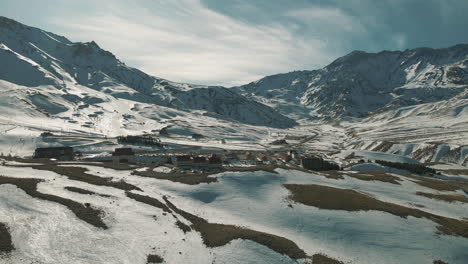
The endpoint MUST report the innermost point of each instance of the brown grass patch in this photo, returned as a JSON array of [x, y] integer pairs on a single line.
[[336, 175], [439, 184], [216, 235], [323, 259], [79, 174], [86, 213], [83, 191], [107, 165], [154, 259], [266, 168], [6, 245], [375, 176], [189, 178], [22, 160], [185, 228], [158, 204], [445, 197], [455, 172], [148, 200], [194, 178], [325, 197]]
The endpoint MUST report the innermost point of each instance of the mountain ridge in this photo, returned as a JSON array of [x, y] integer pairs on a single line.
[[56, 61], [361, 83], [357, 85]]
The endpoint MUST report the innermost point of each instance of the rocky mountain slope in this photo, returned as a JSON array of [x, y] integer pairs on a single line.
[[51, 66], [360, 83]]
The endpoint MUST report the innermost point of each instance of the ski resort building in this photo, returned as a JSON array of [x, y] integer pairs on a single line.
[[199, 162], [58, 153], [318, 164], [214, 162], [183, 162], [123, 155]]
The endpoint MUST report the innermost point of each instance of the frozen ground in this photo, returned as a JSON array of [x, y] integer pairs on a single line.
[[46, 232]]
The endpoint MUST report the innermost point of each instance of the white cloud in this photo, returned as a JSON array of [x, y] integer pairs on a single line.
[[327, 18], [185, 41], [399, 40]]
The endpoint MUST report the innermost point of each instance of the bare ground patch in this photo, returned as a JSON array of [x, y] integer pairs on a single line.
[[445, 197], [439, 262], [6, 245], [158, 204], [80, 174], [154, 259], [325, 197], [185, 228], [439, 184], [266, 168], [86, 213], [216, 235], [335, 175], [149, 201], [107, 165], [194, 178], [381, 176], [83, 191], [323, 259], [189, 178], [455, 172]]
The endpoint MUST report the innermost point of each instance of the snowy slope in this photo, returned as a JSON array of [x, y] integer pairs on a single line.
[[37, 59], [430, 132], [361, 83], [47, 232]]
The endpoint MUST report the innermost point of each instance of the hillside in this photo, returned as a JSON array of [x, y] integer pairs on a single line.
[[360, 83], [51, 66]]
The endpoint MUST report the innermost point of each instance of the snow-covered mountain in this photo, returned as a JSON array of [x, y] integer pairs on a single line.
[[361, 83], [57, 71]]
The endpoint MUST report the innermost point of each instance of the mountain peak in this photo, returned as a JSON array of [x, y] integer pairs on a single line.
[[361, 83], [60, 71], [9, 23]]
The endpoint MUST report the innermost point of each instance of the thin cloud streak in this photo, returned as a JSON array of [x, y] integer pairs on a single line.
[[187, 42]]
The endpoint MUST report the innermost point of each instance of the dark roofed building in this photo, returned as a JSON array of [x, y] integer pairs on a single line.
[[215, 161], [123, 155], [123, 152], [183, 161], [183, 158], [58, 153], [199, 160], [279, 142], [197, 136], [318, 164]]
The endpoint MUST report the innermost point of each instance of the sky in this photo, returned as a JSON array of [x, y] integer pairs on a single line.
[[234, 42]]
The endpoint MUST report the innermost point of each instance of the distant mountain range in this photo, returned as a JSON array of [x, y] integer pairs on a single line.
[[360, 83], [35, 58], [357, 85]]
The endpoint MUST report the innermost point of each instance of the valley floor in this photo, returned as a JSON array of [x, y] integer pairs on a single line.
[[243, 217]]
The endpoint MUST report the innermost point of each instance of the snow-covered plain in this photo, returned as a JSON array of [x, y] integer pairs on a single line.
[[45, 232]]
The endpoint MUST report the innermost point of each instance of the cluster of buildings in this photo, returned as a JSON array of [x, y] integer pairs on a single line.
[[55, 153], [198, 162], [186, 161], [262, 158]]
